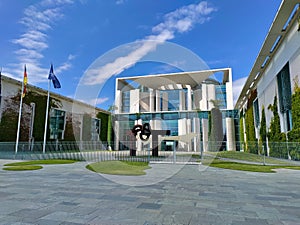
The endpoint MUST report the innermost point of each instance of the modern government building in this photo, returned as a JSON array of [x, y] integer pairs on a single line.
[[69, 120], [195, 106], [179, 102], [267, 103]]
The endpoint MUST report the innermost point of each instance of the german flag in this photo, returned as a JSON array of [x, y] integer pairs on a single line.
[[24, 82]]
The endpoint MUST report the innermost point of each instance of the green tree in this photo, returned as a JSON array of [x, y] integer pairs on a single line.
[[104, 125], [275, 135], [263, 131], [294, 134], [250, 131], [109, 125]]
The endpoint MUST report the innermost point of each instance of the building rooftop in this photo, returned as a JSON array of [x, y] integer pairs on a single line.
[[44, 92], [171, 80], [286, 15]]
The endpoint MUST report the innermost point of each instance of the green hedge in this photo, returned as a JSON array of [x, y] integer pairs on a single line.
[[251, 141], [275, 136]]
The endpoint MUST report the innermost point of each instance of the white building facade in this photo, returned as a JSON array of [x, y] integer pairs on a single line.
[[275, 72], [179, 102]]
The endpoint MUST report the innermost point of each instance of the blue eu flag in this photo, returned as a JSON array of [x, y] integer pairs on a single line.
[[54, 79]]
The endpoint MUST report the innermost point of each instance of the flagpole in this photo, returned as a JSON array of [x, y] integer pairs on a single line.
[[19, 120], [46, 118]]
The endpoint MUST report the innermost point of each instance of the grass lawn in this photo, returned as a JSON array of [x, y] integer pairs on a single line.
[[249, 167], [35, 164], [23, 168], [248, 157], [41, 162], [119, 167]]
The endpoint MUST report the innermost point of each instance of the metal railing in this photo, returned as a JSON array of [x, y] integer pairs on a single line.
[[99, 151]]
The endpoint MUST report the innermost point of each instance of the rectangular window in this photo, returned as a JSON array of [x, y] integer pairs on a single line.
[[125, 101], [284, 89], [256, 113], [285, 95], [57, 123], [95, 129], [221, 96]]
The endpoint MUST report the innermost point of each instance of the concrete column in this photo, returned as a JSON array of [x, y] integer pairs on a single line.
[[230, 134], [117, 135], [165, 100], [157, 96], [211, 95], [203, 101], [181, 100], [182, 130], [229, 95], [151, 101], [205, 134], [189, 98], [197, 98], [189, 130], [118, 101], [134, 101], [196, 123]]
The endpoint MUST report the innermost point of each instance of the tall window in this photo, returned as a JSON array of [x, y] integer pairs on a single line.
[[221, 96], [125, 101], [285, 95], [172, 100], [57, 124], [95, 129], [256, 112]]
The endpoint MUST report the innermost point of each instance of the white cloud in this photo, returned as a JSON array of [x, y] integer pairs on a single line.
[[94, 101], [71, 57], [65, 66], [178, 21], [38, 19], [120, 2], [237, 87], [101, 100], [184, 18]]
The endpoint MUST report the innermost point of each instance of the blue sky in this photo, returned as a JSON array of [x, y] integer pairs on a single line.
[[73, 34]]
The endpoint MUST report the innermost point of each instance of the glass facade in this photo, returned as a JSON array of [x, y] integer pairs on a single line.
[[221, 96], [285, 95], [57, 124], [256, 113], [95, 129], [173, 98], [169, 121], [284, 89], [125, 101]]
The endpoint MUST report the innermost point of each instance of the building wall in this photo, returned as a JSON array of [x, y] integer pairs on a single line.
[[9, 108], [270, 78], [177, 110], [267, 88]]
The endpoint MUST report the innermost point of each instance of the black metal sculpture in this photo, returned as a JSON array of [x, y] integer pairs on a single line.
[[145, 132]]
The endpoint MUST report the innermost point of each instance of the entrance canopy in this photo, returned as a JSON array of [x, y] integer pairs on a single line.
[[184, 138], [172, 80]]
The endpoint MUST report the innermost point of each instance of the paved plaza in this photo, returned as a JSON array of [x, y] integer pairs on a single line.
[[70, 194]]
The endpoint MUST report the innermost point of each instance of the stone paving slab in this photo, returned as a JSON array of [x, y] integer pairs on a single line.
[[72, 195]]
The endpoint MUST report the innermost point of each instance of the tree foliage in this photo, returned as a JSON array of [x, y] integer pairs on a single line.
[[263, 132], [275, 136], [104, 125], [294, 134], [251, 141]]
